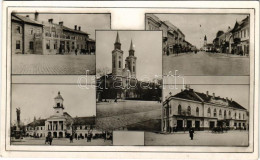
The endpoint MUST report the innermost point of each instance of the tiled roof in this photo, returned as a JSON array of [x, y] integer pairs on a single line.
[[39, 122], [84, 121], [25, 19], [73, 30], [190, 94]]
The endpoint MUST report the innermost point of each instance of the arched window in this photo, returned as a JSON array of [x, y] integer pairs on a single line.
[[179, 109], [235, 115], [189, 110], [119, 64], [133, 68], [215, 112], [220, 112], [229, 113], [243, 116], [239, 116], [197, 111], [209, 112], [225, 114]]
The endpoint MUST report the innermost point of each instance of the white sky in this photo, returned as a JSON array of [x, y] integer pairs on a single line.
[[147, 45], [38, 100], [238, 93], [88, 22], [189, 24]]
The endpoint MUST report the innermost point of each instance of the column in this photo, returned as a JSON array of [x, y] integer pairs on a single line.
[[52, 126], [58, 125]]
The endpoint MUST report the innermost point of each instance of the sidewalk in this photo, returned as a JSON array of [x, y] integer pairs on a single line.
[[228, 55], [177, 55]]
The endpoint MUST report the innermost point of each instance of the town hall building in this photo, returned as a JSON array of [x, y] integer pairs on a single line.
[[201, 111], [60, 124]]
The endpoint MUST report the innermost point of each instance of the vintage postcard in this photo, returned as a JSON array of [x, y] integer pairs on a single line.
[[164, 80]]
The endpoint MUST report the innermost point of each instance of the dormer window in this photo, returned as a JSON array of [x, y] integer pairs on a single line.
[[58, 104]]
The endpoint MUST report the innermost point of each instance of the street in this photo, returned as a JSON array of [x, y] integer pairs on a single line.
[[53, 64], [231, 138], [124, 113], [63, 142], [205, 63]]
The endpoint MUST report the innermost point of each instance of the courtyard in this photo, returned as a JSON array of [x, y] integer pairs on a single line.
[[53, 64], [205, 63], [128, 115], [201, 138], [62, 142]]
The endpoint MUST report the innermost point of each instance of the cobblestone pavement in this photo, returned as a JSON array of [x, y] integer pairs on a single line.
[[53, 64], [63, 142], [204, 63], [231, 138], [117, 115]]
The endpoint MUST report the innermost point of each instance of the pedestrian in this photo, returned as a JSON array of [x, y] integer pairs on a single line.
[[71, 139], [191, 131], [50, 139], [47, 139], [116, 100], [76, 50]]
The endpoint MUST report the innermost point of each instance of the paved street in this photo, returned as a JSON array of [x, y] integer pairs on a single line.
[[204, 63], [231, 138], [53, 64], [63, 142], [116, 115]]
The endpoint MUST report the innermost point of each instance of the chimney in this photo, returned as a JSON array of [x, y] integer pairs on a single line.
[[61, 23], [227, 98], [213, 95], [79, 28], [231, 100], [75, 27], [27, 16], [50, 20], [36, 14], [207, 93]]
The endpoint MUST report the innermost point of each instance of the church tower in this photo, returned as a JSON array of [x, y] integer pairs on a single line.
[[131, 60], [205, 41], [58, 107], [117, 58]]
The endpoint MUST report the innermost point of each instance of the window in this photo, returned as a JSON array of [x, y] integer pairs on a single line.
[[119, 63], [235, 115], [47, 44], [197, 111], [18, 44], [209, 112], [18, 29], [31, 31], [225, 114], [133, 68], [80, 127], [215, 112], [189, 110], [239, 116], [179, 109], [170, 110], [229, 113], [73, 45], [55, 45], [220, 112], [243, 116], [31, 45]]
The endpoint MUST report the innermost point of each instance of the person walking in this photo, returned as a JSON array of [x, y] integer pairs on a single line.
[[50, 139], [76, 51], [71, 139], [47, 139], [191, 131]]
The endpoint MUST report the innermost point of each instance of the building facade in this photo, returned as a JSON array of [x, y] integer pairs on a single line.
[[60, 124], [201, 111], [29, 36]]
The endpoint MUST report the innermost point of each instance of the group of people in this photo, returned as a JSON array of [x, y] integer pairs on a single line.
[[49, 139]]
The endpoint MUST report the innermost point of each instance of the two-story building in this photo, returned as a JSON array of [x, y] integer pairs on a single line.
[[201, 111]]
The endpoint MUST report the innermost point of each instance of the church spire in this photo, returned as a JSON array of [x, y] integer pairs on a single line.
[[117, 44], [205, 38], [117, 38], [131, 46]]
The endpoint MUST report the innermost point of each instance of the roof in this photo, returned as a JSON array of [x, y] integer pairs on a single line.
[[117, 38], [154, 17], [39, 122], [190, 94], [26, 20], [241, 24], [73, 30], [131, 46], [170, 25], [84, 121]]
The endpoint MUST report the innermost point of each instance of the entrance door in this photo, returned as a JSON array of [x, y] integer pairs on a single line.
[[211, 124], [189, 124], [197, 125], [62, 47], [179, 125], [54, 134], [60, 135]]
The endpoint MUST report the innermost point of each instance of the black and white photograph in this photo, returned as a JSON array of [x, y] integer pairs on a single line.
[[204, 44], [203, 115], [129, 68], [55, 44], [59, 115]]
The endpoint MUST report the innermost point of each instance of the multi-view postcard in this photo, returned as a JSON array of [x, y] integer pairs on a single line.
[[114, 81]]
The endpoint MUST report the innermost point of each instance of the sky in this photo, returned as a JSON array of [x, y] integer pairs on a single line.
[[238, 93], [88, 22], [147, 45], [38, 100], [210, 24]]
